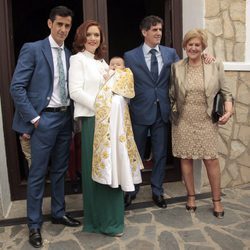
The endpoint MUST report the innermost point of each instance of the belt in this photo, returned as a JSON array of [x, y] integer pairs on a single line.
[[58, 109]]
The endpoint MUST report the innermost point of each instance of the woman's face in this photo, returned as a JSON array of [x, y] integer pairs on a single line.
[[93, 39], [194, 48]]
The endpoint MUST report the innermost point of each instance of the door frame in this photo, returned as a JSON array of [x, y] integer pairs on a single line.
[[92, 9], [97, 10], [6, 71]]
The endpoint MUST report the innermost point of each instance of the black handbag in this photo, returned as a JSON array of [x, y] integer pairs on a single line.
[[218, 107]]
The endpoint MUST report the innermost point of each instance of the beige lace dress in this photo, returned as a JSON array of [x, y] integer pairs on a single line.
[[195, 136]]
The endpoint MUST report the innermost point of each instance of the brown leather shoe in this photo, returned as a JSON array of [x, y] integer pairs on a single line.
[[35, 238]]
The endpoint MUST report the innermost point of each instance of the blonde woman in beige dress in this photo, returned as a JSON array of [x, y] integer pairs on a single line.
[[194, 135]]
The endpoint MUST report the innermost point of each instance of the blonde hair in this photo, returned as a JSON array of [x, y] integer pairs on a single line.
[[195, 33]]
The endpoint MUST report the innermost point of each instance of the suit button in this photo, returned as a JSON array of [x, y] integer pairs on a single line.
[[155, 102], [48, 98]]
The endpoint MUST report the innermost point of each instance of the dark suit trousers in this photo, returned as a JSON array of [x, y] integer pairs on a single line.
[[159, 133], [50, 141]]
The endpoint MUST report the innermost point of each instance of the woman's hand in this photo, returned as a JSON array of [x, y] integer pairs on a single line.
[[228, 112], [106, 77], [224, 119]]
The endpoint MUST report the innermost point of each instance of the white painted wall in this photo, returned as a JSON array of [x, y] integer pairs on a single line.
[[193, 12], [5, 201], [247, 55]]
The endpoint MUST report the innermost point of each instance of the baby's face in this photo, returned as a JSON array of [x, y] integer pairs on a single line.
[[116, 63]]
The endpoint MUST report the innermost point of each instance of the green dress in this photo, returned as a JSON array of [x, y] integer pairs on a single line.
[[103, 206]]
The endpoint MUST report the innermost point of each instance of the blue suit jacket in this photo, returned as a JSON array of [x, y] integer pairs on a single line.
[[143, 107], [32, 83]]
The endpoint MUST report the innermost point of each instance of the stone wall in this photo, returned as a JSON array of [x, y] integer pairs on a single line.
[[234, 147], [225, 22]]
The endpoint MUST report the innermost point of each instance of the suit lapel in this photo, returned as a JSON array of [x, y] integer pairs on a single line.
[[46, 49], [67, 54], [165, 60], [142, 61], [181, 75], [207, 74], [164, 55]]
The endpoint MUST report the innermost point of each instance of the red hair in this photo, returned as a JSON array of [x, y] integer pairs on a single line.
[[81, 38]]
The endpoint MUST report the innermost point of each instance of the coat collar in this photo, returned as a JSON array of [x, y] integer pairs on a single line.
[[46, 49], [141, 59], [207, 72]]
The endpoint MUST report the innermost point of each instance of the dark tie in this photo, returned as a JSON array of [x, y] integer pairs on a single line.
[[62, 81], [154, 64]]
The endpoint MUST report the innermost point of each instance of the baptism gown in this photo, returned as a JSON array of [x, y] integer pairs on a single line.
[[116, 160]]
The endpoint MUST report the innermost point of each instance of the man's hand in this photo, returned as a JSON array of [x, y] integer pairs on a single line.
[[25, 136], [36, 123], [208, 58]]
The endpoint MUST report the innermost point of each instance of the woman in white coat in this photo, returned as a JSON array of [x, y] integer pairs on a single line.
[[103, 205]]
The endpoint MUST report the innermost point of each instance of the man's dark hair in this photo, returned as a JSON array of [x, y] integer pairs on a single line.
[[60, 11], [149, 21]]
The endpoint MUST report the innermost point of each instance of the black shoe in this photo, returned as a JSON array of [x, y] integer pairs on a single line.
[[66, 220], [191, 208], [219, 215], [159, 201], [35, 238], [128, 198]]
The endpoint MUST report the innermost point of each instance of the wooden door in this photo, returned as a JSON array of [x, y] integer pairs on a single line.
[[25, 21], [20, 22], [120, 21]]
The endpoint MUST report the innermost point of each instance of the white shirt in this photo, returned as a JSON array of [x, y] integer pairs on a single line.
[[55, 100], [147, 55], [55, 97]]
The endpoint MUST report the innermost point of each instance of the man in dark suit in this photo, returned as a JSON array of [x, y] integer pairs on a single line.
[[40, 93], [150, 108]]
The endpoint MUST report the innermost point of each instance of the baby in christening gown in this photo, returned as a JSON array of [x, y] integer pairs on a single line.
[[116, 160]]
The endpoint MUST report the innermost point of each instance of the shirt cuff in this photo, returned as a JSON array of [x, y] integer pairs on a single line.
[[35, 119]]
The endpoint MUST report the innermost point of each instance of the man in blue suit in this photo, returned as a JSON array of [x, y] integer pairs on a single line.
[[150, 108], [40, 93]]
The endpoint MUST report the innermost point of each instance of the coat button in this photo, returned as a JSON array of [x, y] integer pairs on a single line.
[[48, 98]]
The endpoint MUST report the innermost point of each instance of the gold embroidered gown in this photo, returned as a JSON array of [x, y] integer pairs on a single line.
[[116, 160], [195, 136]]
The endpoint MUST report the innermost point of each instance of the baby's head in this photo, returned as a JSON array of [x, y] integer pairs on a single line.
[[116, 63]]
